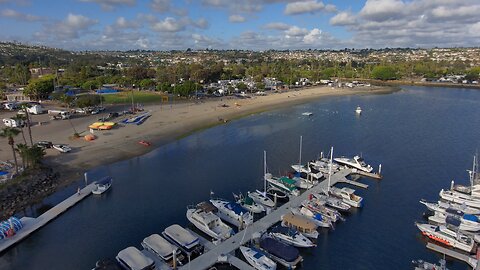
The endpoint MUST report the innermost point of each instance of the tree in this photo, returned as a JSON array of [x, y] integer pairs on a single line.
[[21, 118], [31, 156], [260, 86], [384, 73], [242, 86], [27, 114], [9, 133], [22, 149], [88, 101], [146, 83], [40, 88]]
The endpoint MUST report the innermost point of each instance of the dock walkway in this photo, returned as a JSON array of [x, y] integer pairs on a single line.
[[474, 263], [209, 258], [33, 224]]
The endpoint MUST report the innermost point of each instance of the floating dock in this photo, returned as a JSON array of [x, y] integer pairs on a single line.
[[210, 257], [30, 225], [474, 263]]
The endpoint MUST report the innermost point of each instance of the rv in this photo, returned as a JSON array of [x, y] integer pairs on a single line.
[[14, 123]]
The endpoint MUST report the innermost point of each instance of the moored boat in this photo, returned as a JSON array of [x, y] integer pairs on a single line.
[[348, 196], [284, 254], [248, 203], [261, 198], [290, 236], [447, 237], [258, 259], [208, 222], [283, 183], [233, 213], [333, 202], [459, 198], [102, 185], [317, 218], [441, 206], [183, 239], [355, 162], [301, 224], [132, 258], [161, 248]]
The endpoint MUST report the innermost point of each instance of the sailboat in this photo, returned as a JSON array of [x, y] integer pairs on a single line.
[[258, 196], [311, 176]]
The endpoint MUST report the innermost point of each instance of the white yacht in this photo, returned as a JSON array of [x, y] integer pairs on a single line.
[[460, 198], [233, 213], [261, 198], [291, 237], [317, 218], [442, 206], [208, 222], [258, 259], [248, 203], [447, 237], [355, 162], [469, 223], [317, 207], [285, 184], [184, 239], [358, 110], [307, 113], [132, 258], [160, 247], [348, 196], [102, 185], [311, 174], [333, 202]]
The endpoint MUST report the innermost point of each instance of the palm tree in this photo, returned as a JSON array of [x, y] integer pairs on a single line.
[[21, 119], [9, 133], [22, 149], [35, 155], [24, 107]]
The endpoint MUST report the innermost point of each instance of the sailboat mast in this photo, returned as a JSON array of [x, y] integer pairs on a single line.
[[265, 171], [330, 168], [300, 156]]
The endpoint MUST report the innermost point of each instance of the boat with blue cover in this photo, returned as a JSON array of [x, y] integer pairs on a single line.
[[258, 259], [290, 236], [284, 254], [232, 212], [185, 240]]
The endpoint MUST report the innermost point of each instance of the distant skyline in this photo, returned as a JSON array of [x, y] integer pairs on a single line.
[[240, 24]]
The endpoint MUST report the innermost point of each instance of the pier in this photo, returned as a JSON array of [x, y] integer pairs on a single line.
[[474, 263], [30, 225], [228, 246]]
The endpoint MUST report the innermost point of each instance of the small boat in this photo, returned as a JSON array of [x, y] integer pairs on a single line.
[[333, 202], [161, 248], [284, 184], [348, 196], [248, 203], [233, 213], [273, 191], [102, 185], [463, 222], [355, 162], [284, 254], [358, 110], [311, 174], [132, 258], [423, 265], [206, 221], [318, 207], [290, 236], [258, 259], [447, 237], [460, 198], [442, 206], [185, 240], [145, 143], [307, 113], [261, 198], [317, 218], [301, 224]]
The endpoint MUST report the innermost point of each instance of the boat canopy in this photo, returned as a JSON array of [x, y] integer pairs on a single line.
[[471, 218], [135, 259], [158, 244], [299, 221], [453, 221], [279, 249], [287, 181], [235, 207], [248, 201], [284, 230], [180, 235], [454, 211]]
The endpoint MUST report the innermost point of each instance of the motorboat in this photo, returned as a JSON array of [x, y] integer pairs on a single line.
[[185, 240], [132, 258], [317, 218], [275, 192], [423, 265], [447, 237], [318, 207], [441, 206], [348, 196], [62, 148], [248, 203], [208, 222], [307, 113], [161, 248], [333, 202], [355, 162], [283, 183], [258, 259], [107, 264], [261, 198], [310, 173], [323, 165], [301, 224], [233, 213], [102, 185], [358, 110], [283, 254], [290, 236], [459, 198], [462, 221]]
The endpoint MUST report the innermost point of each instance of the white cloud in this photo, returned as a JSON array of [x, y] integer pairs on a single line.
[[13, 14], [310, 6], [277, 26], [343, 18], [295, 31], [111, 4], [201, 23], [313, 36], [124, 23], [236, 18], [169, 24], [381, 10], [160, 5]]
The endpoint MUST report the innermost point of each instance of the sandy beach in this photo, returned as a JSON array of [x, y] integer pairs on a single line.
[[167, 123]]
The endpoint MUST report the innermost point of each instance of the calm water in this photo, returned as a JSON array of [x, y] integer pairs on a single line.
[[424, 138]]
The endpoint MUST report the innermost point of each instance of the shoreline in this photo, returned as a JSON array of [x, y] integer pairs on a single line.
[[172, 122]]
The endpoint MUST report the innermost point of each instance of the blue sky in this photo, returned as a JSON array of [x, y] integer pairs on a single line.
[[240, 24]]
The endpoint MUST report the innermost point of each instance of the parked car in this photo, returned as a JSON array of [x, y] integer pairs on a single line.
[[44, 144], [62, 148], [13, 123]]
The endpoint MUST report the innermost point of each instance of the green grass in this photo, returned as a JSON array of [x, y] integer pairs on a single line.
[[138, 97]]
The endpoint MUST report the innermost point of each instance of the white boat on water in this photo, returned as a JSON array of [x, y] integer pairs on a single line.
[[301, 224], [261, 198], [132, 258], [233, 213], [248, 203], [447, 237], [102, 185], [258, 259], [307, 113], [333, 202], [358, 110], [202, 217], [318, 207], [460, 198], [463, 222], [348, 196], [185, 240], [355, 162], [317, 218], [442, 206], [310, 174], [291, 237], [161, 248], [285, 184]]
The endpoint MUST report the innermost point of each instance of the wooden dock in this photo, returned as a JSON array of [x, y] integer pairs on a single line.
[[228, 246], [33, 224], [474, 263]]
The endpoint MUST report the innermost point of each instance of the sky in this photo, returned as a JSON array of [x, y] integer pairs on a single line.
[[240, 24]]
